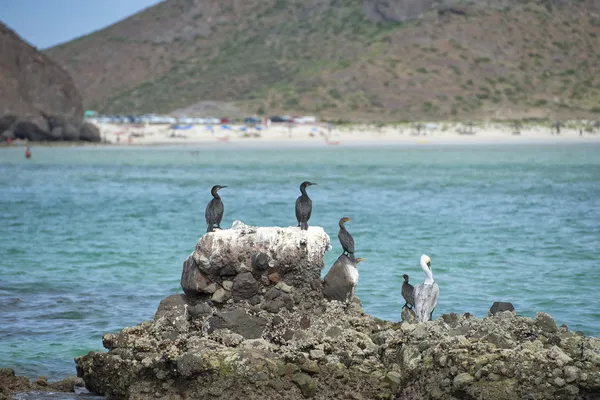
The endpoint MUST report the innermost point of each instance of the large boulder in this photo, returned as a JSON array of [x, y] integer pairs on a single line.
[[70, 132], [89, 133], [246, 261], [31, 131]]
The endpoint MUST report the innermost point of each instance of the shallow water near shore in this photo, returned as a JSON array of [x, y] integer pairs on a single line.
[[94, 238]]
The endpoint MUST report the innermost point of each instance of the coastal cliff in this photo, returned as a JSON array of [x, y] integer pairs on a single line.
[[38, 98], [253, 324]]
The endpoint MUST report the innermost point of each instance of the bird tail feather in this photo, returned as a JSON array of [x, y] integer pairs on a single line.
[[304, 226]]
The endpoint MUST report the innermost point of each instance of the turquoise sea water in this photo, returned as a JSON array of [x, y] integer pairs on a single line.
[[93, 238]]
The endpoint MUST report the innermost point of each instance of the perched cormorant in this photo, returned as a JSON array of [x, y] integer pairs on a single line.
[[214, 209], [342, 278], [426, 294], [408, 293], [346, 238], [304, 206]]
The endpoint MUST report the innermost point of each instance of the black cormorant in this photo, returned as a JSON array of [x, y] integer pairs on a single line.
[[214, 209], [346, 238], [408, 292], [304, 206]]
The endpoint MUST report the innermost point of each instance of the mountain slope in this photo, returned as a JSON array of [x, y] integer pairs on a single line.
[[359, 60], [31, 84]]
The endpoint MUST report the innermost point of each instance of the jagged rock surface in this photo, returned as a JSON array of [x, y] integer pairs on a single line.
[[287, 342]]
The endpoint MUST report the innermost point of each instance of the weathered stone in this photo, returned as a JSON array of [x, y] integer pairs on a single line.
[[274, 277], [221, 296], [244, 286], [274, 306], [193, 282], [227, 285], [499, 341], [317, 354], [500, 306], [210, 289], [272, 294], [89, 133], [545, 322], [305, 383], [176, 303], [571, 373], [394, 380], [555, 353], [260, 261], [462, 380], [249, 326], [201, 310], [284, 287], [232, 339]]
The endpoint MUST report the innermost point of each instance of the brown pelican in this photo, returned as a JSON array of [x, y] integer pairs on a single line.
[[342, 278]]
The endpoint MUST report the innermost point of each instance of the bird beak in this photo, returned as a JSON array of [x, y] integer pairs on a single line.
[[312, 184], [359, 260], [222, 187]]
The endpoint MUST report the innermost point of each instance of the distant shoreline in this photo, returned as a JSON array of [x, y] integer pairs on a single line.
[[317, 136]]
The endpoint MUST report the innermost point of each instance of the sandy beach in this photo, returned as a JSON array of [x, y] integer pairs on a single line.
[[351, 135]]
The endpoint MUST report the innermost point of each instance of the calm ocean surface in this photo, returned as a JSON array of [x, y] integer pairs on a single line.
[[94, 238]]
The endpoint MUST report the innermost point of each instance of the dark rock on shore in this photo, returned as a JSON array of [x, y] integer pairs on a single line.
[[9, 384], [500, 306], [282, 340]]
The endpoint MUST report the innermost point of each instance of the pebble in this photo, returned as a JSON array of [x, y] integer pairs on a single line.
[[560, 382], [285, 288], [571, 373], [227, 285], [462, 380]]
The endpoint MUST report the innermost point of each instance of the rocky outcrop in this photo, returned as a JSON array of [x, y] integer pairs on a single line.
[[9, 384], [237, 334], [244, 263], [37, 96]]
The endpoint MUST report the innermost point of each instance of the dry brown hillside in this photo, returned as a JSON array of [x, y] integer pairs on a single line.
[[360, 60]]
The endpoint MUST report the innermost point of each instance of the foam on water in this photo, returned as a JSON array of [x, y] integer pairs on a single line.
[[94, 238]]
